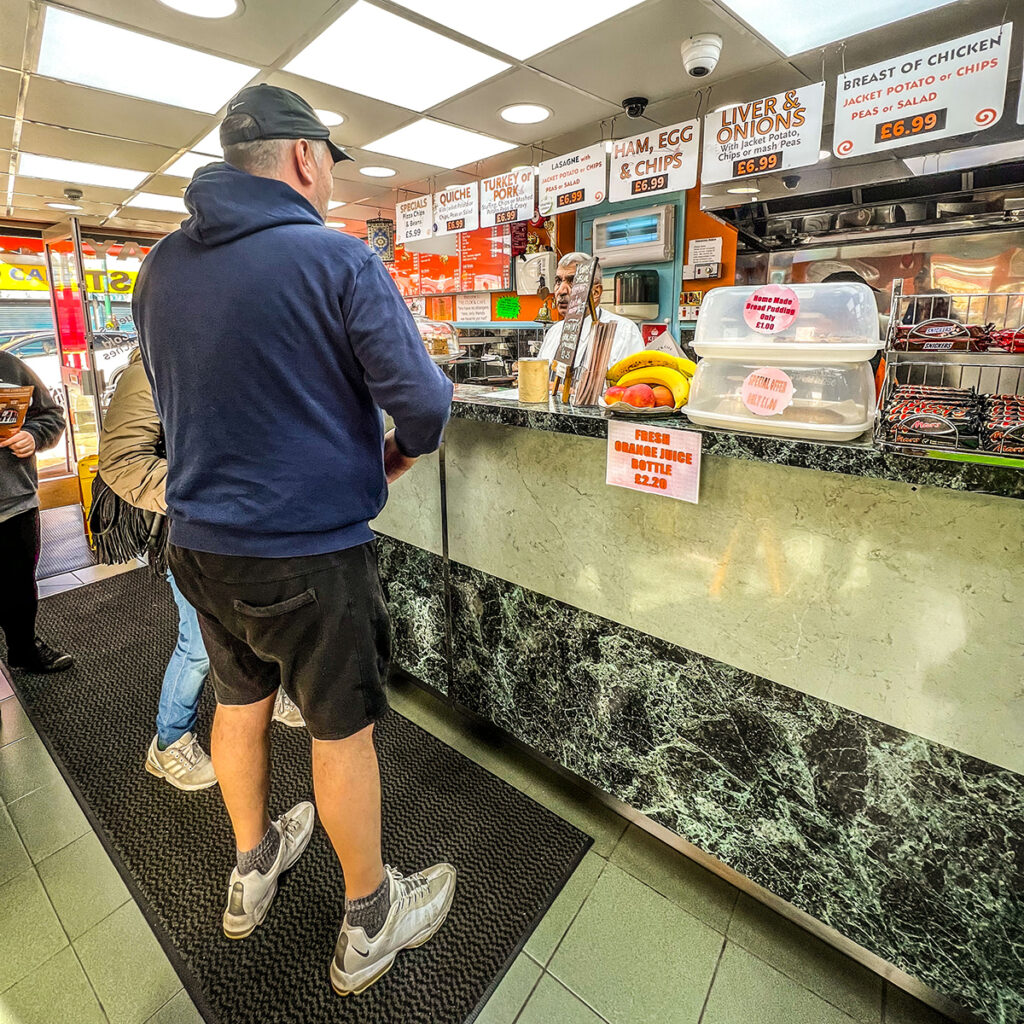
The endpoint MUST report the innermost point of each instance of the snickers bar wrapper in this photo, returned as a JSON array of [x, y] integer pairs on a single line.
[[14, 403]]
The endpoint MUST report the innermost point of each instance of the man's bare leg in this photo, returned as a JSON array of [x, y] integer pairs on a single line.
[[346, 780], [240, 748]]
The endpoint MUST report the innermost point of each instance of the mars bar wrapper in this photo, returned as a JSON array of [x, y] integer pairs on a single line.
[[14, 403]]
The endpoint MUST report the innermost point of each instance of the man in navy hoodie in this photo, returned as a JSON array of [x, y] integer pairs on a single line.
[[273, 344]]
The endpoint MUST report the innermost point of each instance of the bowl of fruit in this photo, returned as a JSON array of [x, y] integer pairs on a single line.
[[648, 384]]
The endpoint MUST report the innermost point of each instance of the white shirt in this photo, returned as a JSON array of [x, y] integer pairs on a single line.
[[628, 338]]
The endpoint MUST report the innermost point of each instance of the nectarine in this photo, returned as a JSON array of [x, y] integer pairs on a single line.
[[639, 395], [614, 394]]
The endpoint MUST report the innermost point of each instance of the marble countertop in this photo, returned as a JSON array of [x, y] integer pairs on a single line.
[[853, 458]]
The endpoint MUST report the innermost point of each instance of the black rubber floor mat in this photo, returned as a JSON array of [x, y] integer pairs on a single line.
[[63, 547], [175, 850]]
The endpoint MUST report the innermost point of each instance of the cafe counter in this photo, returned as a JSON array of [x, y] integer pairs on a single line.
[[812, 675]]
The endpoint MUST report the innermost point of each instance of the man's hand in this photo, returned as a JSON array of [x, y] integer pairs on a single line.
[[395, 463], [23, 444]]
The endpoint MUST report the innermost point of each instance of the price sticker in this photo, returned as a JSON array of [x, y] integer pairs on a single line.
[[571, 198], [507, 217], [771, 309], [762, 164], [456, 225], [657, 183]]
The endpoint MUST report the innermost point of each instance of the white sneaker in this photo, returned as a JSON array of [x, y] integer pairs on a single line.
[[419, 906], [286, 711], [250, 895], [184, 764]]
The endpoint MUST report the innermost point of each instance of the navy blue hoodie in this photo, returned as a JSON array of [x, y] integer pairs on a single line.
[[272, 344]]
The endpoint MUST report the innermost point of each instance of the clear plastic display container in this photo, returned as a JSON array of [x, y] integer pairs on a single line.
[[835, 322], [440, 338], [821, 403]]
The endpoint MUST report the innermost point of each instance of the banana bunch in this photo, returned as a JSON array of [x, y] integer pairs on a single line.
[[654, 369]]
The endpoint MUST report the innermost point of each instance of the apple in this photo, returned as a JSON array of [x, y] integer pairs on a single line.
[[614, 394], [640, 396]]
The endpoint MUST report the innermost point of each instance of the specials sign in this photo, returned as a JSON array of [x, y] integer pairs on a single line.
[[763, 136], [413, 220], [457, 209], [663, 160], [954, 88], [506, 198], [572, 181]]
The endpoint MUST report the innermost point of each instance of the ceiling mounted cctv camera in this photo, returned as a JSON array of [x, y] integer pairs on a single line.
[[634, 106], [701, 54], [73, 194]]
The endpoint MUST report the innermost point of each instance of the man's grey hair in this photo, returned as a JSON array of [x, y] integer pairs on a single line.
[[262, 157], [574, 258]]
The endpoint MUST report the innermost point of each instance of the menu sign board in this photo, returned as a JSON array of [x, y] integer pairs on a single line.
[[659, 161], [405, 271], [457, 209], [573, 181], [506, 198], [954, 88], [576, 312], [485, 260], [413, 220], [775, 133], [438, 274]]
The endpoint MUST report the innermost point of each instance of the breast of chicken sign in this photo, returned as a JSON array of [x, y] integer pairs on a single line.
[[953, 88], [772, 134], [663, 160]]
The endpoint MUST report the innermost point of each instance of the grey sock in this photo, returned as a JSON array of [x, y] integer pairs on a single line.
[[370, 912], [262, 858]]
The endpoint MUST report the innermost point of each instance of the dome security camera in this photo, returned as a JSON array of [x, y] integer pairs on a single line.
[[701, 54], [634, 106], [73, 194], [791, 180]]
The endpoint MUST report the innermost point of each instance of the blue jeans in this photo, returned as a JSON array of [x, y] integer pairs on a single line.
[[185, 675]]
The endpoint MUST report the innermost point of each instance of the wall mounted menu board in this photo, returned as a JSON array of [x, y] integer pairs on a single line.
[[764, 136], [661, 160], [953, 88], [572, 181], [414, 219], [485, 259], [439, 275], [405, 271], [457, 209]]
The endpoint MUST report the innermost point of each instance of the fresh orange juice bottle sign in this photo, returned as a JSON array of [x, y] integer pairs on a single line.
[[658, 460]]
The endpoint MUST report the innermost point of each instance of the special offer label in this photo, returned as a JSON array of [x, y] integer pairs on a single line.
[[767, 391], [457, 209], [949, 89], [771, 309], [573, 181], [663, 160], [772, 134], [506, 198], [413, 220], [658, 460]]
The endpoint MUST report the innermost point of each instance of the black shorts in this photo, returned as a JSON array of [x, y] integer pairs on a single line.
[[316, 625]]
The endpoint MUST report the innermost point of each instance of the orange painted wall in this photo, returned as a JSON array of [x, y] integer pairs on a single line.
[[701, 225]]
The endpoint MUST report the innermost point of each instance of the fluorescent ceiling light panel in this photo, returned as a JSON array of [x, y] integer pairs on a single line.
[[378, 54], [81, 50], [75, 172], [334, 204], [795, 26], [518, 34], [187, 165], [153, 201], [431, 142], [210, 144]]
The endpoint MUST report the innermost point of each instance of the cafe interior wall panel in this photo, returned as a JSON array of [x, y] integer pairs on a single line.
[[897, 602], [413, 509], [907, 847], [414, 587]]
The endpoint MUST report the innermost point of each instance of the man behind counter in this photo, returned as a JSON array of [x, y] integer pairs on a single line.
[[627, 335]]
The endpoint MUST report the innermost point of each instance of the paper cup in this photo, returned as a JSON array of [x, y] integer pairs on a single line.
[[533, 380]]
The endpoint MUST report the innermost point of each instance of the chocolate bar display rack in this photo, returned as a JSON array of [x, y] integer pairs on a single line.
[[935, 361]]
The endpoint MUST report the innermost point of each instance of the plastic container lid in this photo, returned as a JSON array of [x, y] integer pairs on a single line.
[[817, 402], [440, 339], [830, 322]]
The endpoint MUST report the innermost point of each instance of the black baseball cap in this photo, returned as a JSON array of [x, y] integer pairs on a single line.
[[278, 114]]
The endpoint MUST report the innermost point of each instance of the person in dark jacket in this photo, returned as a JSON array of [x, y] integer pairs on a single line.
[[19, 522], [273, 344]]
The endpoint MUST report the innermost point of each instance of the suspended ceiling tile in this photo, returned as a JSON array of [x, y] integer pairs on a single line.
[[637, 53], [71, 145], [14, 19], [6, 136], [55, 190], [257, 36], [167, 185], [480, 108], [9, 83], [365, 119], [354, 191], [36, 202], [408, 171], [124, 117]]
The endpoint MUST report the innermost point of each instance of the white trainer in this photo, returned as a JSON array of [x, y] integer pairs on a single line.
[[419, 906], [250, 895], [184, 764], [287, 712]]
